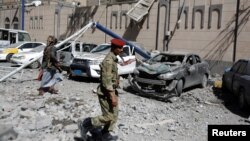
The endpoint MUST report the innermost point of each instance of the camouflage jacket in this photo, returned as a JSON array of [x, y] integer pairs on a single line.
[[109, 73]]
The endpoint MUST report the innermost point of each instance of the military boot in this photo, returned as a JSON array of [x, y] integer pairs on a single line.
[[85, 126], [96, 134], [107, 136]]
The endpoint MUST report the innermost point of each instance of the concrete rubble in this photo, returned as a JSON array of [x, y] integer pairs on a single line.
[[25, 116]]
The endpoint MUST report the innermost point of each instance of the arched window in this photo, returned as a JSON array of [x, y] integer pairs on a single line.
[[7, 23], [31, 23], [41, 22], [15, 23]]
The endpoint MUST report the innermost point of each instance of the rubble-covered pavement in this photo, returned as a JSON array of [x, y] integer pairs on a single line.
[[25, 116]]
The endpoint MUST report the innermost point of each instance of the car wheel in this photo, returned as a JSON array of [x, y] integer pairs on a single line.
[[241, 99], [224, 88], [204, 81], [179, 87], [34, 65], [9, 56], [71, 77]]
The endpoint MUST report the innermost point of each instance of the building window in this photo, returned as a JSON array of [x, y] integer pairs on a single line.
[[36, 25], [41, 22], [31, 23], [123, 16], [69, 20], [7, 23], [201, 11], [114, 14], [15, 23]]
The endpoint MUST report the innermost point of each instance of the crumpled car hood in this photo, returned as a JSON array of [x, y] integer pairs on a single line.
[[157, 68], [90, 56]]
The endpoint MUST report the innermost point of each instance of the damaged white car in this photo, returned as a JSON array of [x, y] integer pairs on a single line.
[[167, 74], [87, 64]]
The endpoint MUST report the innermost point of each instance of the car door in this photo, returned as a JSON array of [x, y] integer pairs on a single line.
[[247, 82], [228, 76], [13, 37], [199, 70], [236, 80], [191, 69], [127, 61], [65, 54], [202, 68], [26, 47]]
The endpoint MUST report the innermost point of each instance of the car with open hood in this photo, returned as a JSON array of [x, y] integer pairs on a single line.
[[168, 73]]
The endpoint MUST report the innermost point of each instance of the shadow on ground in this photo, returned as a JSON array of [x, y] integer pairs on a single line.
[[230, 102], [85, 79]]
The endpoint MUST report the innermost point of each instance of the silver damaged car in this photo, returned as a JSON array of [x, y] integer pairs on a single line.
[[167, 74]]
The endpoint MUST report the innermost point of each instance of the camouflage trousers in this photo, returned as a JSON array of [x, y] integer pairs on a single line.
[[109, 115]]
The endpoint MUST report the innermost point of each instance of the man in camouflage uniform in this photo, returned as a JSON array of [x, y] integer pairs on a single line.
[[107, 94]]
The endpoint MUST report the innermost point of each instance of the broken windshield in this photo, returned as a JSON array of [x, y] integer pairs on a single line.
[[167, 58], [103, 49]]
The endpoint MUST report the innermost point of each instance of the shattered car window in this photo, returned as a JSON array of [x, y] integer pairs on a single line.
[[167, 59], [104, 49]]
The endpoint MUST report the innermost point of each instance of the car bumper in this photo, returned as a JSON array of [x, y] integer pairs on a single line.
[[92, 71], [17, 61], [3, 57], [170, 92]]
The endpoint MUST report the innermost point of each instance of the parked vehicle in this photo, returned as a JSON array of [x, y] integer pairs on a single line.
[[87, 64], [24, 57], [11, 36], [67, 51], [237, 81], [7, 53], [167, 74]]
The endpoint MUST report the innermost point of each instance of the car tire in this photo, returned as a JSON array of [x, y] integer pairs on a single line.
[[8, 57], [71, 77], [204, 81], [242, 99], [179, 87], [224, 88], [35, 65]]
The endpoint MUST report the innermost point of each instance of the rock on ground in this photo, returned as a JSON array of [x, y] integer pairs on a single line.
[[29, 117]]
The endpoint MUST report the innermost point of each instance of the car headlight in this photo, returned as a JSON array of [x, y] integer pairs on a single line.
[[167, 76], [94, 62]]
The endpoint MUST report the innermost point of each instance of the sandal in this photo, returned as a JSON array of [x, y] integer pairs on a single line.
[[41, 92], [53, 91]]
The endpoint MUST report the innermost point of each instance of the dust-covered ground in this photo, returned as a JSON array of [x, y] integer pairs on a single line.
[[25, 116]]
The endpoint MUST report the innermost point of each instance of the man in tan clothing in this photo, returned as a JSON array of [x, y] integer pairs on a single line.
[[107, 94]]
